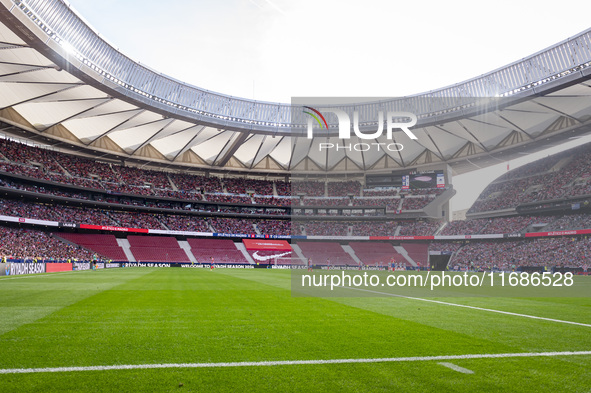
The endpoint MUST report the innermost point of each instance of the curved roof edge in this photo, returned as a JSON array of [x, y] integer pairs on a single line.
[[53, 27]]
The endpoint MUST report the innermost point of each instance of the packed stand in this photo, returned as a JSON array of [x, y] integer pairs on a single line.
[[59, 213], [507, 224], [570, 222], [184, 223], [541, 183], [326, 202], [307, 187], [232, 225], [375, 202], [374, 228], [222, 198], [373, 192], [136, 220], [464, 227], [274, 227], [283, 188], [242, 186], [17, 243], [194, 183], [326, 228], [418, 228], [424, 191], [344, 188], [25, 154], [273, 201], [508, 255], [415, 203], [88, 169]]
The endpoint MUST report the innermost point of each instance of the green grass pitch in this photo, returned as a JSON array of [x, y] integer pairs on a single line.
[[158, 315]]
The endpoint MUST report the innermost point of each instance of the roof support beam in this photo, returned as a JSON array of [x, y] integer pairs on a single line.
[[139, 112], [41, 96], [189, 144], [221, 161]]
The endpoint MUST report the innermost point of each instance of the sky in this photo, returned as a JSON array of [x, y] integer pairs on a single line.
[[273, 50]]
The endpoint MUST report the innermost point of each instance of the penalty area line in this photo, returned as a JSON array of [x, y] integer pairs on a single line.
[[455, 367], [471, 307], [290, 362]]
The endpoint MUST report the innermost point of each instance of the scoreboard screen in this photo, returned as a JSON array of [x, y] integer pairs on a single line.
[[407, 180], [435, 179]]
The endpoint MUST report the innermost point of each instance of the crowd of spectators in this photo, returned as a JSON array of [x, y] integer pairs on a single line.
[[507, 224], [192, 223], [307, 187], [326, 228], [275, 201], [193, 183], [232, 225], [274, 227], [509, 255], [482, 255], [375, 202], [423, 191], [377, 228], [464, 227], [380, 192], [540, 181], [50, 165], [497, 225], [40, 173], [415, 203], [181, 194], [29, 155], [569, 222], [57, 213], [184, 223], [164, 204], [85, 168], [245, 185], [17, 243], [283, 188], [226, 198], [143, 177], [418, 228], [136, 220], [533, 168], [325, 201], [343, 188], [41, 189]]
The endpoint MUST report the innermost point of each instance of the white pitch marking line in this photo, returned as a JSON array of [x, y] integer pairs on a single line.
[[456, 368], [38, 275], [289, 362], [471, 307]]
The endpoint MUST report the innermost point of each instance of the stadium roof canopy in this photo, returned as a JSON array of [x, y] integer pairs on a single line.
[[62, 84]]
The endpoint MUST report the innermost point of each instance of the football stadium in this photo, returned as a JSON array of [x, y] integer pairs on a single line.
[[160, 236]]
